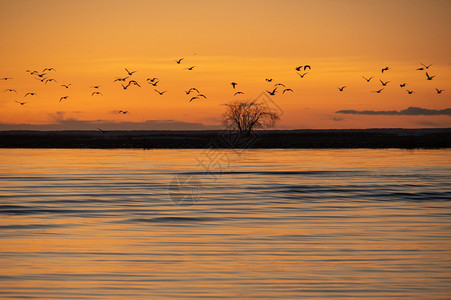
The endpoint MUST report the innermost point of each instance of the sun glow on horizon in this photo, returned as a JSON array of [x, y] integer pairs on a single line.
[[244, 42]]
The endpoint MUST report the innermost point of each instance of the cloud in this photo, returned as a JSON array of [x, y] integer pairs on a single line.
[[336, 119], [72, 124], [411, 111]]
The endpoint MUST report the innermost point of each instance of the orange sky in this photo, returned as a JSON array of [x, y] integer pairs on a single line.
[[91, 42]]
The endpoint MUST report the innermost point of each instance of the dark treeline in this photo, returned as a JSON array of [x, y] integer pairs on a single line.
[[349, 138]]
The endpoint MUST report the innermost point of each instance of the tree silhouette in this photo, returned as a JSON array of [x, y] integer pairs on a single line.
[[245, 116]]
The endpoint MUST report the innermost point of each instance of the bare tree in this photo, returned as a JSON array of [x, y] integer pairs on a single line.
[[245, 116]]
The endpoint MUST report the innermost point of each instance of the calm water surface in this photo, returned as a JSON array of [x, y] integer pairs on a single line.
[[197, 224]]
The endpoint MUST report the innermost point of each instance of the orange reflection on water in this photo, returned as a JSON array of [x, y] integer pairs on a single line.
[[288, 224]]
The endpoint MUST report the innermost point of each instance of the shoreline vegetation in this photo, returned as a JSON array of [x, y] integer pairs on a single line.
[[261, 139]]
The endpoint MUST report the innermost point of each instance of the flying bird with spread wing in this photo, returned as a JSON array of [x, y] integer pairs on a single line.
[[234, 84], [273, 92], [63, 98], [385, 69], [161, 93], [31, 94], [133, 82], [287, 90], [96, 93], [378, 91], [10, 90], [367, 79], [190, 68], [439, 91], [302, 75], [49, 80], [341, 88], [384, 83], [429, 77], [121, 79], [21, 103], [178, 61], [129, 73], [192, 90], [66, 85], [238, 93]]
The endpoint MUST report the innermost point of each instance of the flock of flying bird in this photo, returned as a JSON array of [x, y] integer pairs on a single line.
[[402, 85], [126, 82]]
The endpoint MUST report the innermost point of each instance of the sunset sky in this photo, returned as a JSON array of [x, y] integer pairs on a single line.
[[91, 42]]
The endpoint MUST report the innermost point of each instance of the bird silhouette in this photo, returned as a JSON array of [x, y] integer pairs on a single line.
[[268, 79], [233, 84], [48, 69], [385, 69], [403, 84], [152, 79], [190, 68], [125, 86], [367, 79], [50, 80], [161, 93], [133, 82], [102, 131], [307, 67], [439, 91], [21, 103], [153, 83], [384, 83], [41, 75], [409, 92], [10, 90], [63, 98], [201, 95], [420, 69], [427, 67], [95, 86], [378, 91], [31, 72], [121, 79], [124, 112], [130, 73], [66, 85], [193, 98], [96, 93], [298, 68], [5, 78], [179, 60], [341, 88], [287, 90], [302, 75], [191, 90], [281, 84], [429, 77], [31, 94], [273, 91], [238, 93]]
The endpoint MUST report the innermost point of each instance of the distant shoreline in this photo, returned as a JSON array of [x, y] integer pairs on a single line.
[[268, 139]]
